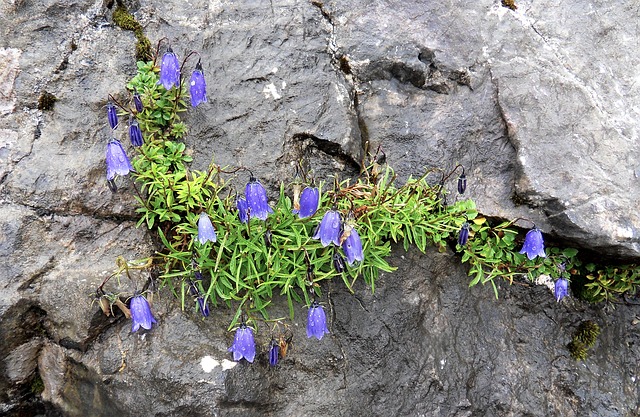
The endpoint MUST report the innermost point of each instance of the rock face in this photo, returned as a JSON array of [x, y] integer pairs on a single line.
[[539, 104]]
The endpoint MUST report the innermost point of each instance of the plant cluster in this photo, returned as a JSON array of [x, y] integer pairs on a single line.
[[221, 246], [585, 337]]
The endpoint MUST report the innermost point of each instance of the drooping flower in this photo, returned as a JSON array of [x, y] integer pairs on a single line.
[[206, 232], [309, 200], [112, 115], [352, 247], [243, 209], [463, 235], [198, 86], [203, 306], [141, 313], [533, 244], [135, 134], [243, 344], [462, 183], [137, 102], [256, 197], [274, 352], [316, 321], [169, 70], [117, 160], [561, 289], [329, 229], [338, 262]]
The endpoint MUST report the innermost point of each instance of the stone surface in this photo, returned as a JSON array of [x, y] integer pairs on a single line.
[[539, 104]]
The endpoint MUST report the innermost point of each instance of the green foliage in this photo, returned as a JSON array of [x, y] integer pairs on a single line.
[[606, 283], [584, 338]]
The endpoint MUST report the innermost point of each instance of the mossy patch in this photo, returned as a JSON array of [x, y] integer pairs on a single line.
[[584, 338], [509, 4], [46, 101], [125, 20]]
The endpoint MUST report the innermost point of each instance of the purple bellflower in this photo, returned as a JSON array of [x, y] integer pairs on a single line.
[[137, 102], [198, 86], [274, 352], [316, 321], [243, 344], [206, 232], [462, 183], [112, 115], [117, 160], [561, 290], [352, 247], [533, 244], [309, 200], [329, 229], [463, 236], [141, 313], [243, 210], [256, 197], [169, 70], [135, 134], [203, 306]]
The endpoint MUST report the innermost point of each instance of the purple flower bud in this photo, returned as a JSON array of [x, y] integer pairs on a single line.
[[256, 197], [203, 306], [338, 262], [352, 247], [135, 134], [316, 321], [243, 344], [533, 244], [243, 209], [268, 238], [141, 313], [309, 200], [198, 86], [463, 236], [112, 115], [462, 183], [329, 229], [206, 232], [274, 352], [561, 289], [137, 102], [169, 70], [193, 290], [117, 160], [197, 275]]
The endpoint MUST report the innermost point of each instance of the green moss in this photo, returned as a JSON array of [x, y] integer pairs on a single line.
[[584, 338], [37, 386], [125, 20], [46, 101], [143, 47]]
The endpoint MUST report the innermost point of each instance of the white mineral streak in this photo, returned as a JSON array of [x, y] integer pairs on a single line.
[[270, 89], [208, 364]]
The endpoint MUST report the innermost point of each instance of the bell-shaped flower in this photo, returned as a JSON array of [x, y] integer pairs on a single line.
[[243, 344], [462, 183], [141, 313], [243, 210], [352, 247], [169, 70], [135, 134], [117, 160], [463, 235], [561, 289], [316, 321], [112, 115], [206, 232], [329, 229], [203, 306], [274, 352], [309, 200], [137, 102], [198, 86], [533, 244], [256, 197]]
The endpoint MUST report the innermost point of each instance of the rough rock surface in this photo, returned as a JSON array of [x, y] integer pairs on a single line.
[[540, 104]]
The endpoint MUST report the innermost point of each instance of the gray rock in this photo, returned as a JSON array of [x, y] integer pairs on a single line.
[[537, 104]]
